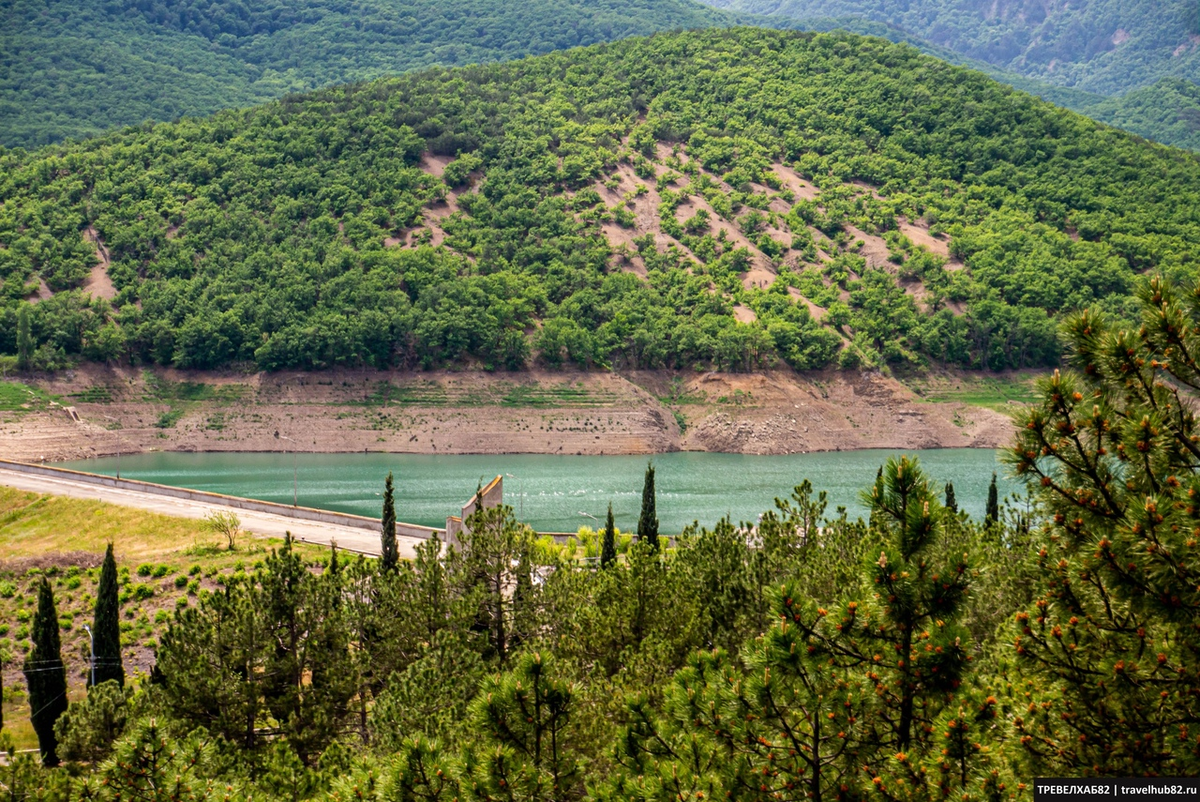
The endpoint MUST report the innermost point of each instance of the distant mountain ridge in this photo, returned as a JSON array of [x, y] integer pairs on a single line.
[[1131, 64], [76, 68], [73, 68], [1103, 46]]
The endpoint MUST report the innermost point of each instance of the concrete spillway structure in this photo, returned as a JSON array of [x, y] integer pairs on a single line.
[[487, 498]]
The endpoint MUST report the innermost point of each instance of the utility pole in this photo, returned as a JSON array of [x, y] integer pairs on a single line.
[[91, 653], [114, 420], [521, 489], [293, 442]]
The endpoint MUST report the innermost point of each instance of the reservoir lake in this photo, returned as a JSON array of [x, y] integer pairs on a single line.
[[555, 493]]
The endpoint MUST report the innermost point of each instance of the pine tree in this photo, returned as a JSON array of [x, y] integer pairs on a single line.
[[389, 554], [106, 624], [45, 675], [951, 501], [1111, 640], [24, 339], [525, 717], [608, 547], [647, 530], [993, 504], [918, 602]]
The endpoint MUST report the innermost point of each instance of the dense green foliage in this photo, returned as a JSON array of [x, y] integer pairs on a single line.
[[1168, 111], [317, 231], [1102, 46], [1136, 61], [842, 660], [916, 657], [70, 68]]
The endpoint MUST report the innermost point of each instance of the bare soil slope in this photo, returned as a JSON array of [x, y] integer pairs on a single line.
[[777, 412]]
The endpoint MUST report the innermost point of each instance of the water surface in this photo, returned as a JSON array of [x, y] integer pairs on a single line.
[[553, 493]]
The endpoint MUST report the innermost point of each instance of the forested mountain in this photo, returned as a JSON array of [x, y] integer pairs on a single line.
[[1133, 64], [728, 198], [70, 68], [75, 68], [1168, 111], [1101, 46]]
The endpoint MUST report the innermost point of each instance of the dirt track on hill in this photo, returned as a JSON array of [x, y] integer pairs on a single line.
[[640, 412]]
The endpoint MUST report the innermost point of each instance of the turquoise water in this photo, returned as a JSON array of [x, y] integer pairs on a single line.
[[552, 493]]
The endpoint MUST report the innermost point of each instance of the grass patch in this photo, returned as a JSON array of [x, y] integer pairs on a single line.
[[168, 419], [96, 394], [503, 394], [990, 392], [425, 394], [525, 395], [17, 397], [64, 539], [160, 389]]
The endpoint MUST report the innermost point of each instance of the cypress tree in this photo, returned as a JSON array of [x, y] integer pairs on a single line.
[[106, 625], [647, 530], [45, 675], [608, 547], [24, 339], [390, 552], [951, 501], [993, 503]]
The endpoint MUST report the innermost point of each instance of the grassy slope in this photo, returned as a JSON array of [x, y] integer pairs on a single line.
[[64, 539]]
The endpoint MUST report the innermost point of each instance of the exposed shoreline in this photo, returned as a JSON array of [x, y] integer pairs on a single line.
[[533, 412]]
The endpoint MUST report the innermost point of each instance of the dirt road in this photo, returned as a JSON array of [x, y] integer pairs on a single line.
[[257, 523]]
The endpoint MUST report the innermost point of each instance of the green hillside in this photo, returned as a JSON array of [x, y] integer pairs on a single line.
[[1103, 46], [1168, 111], [724, 198], [71, 68], [1131, 65]]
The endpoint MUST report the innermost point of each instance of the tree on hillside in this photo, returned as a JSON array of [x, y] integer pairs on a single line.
[[951, 501], [45, 674], [992, 515], [106, 625], [389, 554], [608, 545], [647, 530], [24, 339], [1113, 639]]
